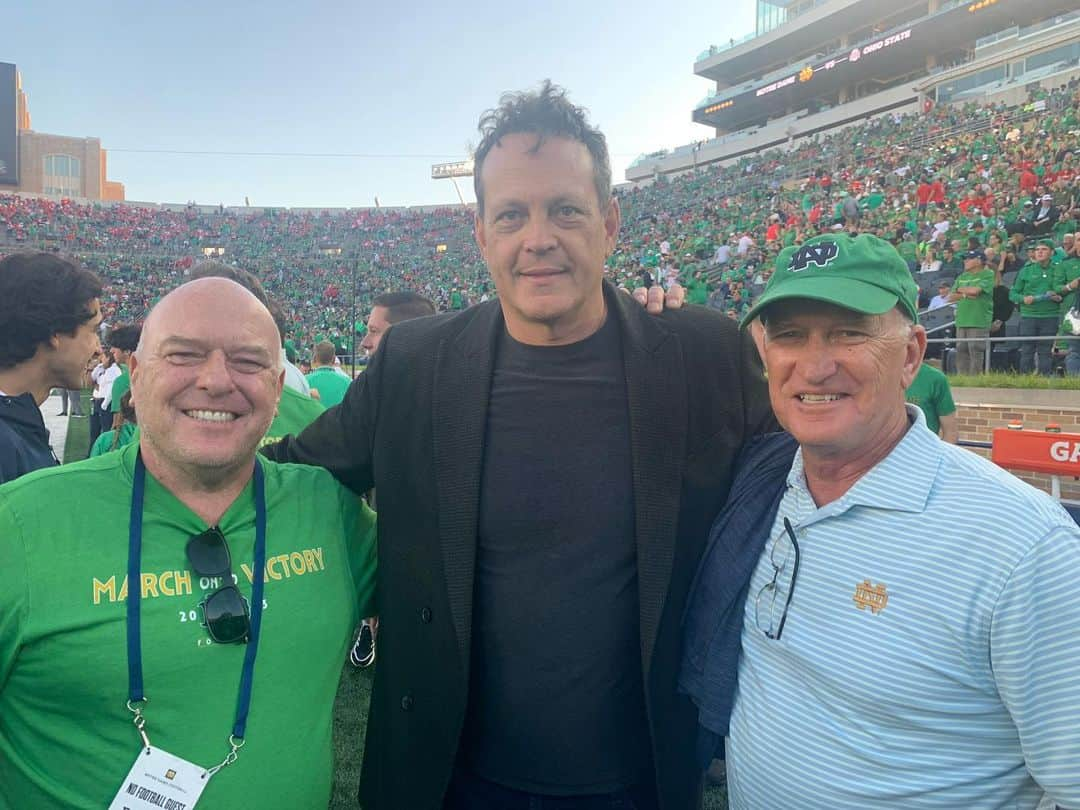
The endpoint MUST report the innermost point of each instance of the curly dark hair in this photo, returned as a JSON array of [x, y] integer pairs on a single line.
[[41, 295], [547, 113]]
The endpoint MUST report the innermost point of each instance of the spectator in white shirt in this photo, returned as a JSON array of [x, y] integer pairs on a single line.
[[942, 298], [930, 262]]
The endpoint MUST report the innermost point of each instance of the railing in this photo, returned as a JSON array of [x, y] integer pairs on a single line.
[[713, 50], [989, 341], [1039, 27], [990, 39]]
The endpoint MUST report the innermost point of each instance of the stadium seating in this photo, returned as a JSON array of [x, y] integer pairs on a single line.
[[313, 261]]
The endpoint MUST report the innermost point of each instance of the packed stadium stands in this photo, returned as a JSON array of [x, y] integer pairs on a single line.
[[716, 230]]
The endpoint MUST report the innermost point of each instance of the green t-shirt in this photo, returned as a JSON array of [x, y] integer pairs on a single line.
[[104, 443], [697, 292], [330, 384], [930, 391], [907, 250], [295, 412], [975, 313], [1035, 280], [63, 660], [121, 385], [1066, 271]]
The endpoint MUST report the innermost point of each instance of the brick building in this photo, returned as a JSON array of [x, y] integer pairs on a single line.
[[56, 165]]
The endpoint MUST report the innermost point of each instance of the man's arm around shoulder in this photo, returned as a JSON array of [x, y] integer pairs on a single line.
[[341, 439], [708, 331]]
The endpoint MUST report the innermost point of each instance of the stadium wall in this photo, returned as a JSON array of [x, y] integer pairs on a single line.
[[724, 151], [1017, 94], [237, 209], [33, 148], [980, 410]]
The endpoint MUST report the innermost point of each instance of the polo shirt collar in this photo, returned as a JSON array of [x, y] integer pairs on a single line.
[[900, 482]]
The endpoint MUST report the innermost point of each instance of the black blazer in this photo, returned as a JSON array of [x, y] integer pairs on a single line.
[[412, 426]]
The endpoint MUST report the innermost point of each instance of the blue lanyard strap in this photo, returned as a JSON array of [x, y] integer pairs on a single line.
[[134, 581], [243, 699], [134, 578]]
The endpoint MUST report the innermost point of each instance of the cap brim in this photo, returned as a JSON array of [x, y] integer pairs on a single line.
[[848, 293]]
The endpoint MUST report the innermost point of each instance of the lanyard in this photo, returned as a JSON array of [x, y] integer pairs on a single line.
[[134, 626]]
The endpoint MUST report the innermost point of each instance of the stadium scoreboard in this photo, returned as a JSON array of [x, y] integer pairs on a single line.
[[896, 52], [462, 168], [837, 70]]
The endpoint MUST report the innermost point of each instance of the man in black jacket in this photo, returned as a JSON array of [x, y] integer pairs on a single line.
[[49, 314], [547, 464]]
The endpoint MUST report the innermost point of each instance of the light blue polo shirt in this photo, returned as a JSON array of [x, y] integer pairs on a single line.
[[931, 653]]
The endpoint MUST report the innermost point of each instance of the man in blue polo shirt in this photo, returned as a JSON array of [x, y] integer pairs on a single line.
[[909, 629]]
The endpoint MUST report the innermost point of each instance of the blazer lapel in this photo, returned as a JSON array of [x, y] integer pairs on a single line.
[[460, 401], [656, 392]]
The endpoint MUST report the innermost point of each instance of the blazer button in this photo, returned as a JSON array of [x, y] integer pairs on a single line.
[[407, 703], [425, 615]]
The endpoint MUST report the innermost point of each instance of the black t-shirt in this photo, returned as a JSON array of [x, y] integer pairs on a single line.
[[556, 697]]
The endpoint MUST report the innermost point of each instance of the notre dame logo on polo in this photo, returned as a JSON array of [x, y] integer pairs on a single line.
[[819, 254], [875, 597]]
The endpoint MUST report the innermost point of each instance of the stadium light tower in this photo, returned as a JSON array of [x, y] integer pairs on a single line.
[[451, 171]]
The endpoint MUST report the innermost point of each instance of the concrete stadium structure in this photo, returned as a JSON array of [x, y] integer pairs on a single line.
[[44, 163], [813, 66]]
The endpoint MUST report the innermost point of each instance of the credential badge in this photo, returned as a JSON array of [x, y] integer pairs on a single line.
[[820, 254], [870, 596]]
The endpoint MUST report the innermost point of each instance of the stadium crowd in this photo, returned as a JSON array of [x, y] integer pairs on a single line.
[[654, 545], [935, 184]]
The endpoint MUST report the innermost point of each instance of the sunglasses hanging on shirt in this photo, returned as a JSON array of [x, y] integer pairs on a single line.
[[226, 616]]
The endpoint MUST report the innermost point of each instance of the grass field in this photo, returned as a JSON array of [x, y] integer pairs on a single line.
[[999, 379], [350, 718], [77, 443]]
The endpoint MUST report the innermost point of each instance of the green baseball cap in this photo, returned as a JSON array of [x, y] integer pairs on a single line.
[[1046, 243], [862, 273]]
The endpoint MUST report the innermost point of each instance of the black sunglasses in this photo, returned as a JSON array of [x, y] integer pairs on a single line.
[[765, 604], [225, 611]]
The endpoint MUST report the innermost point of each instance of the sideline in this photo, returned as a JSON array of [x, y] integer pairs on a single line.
[[57, 425]]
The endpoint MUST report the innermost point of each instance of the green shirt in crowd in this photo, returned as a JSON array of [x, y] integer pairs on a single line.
[[978, 312], [330, 384], [129, 431], [697, 292], [908, 250], [121, 385], [1035, 280], [930, 391], [63, 659], [295, 412], [1065, 272]]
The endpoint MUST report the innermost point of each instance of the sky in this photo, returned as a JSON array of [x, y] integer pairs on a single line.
[[354, 100]]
